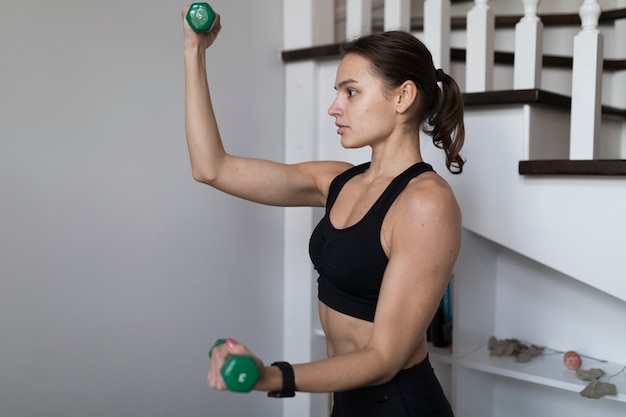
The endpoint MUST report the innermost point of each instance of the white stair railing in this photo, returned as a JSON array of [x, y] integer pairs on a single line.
[[397, 15], [588, 54], [358, 18], [587, 84], [308, 23], [528, 48], [619, 79], [479, 48], [437, 31]]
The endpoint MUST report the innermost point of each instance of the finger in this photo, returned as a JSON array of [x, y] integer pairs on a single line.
[[217, 26], [215, 383], [215, 379], [184, 12], [219, 354]]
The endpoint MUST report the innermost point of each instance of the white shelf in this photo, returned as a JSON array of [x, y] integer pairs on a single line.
[[547, 370]]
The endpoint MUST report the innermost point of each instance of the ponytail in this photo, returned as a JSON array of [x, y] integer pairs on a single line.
[[446, 125]]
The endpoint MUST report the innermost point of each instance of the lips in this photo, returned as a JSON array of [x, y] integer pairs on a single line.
[[340, 128]]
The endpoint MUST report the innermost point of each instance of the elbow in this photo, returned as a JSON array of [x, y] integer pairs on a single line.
[[207, 171], [203, 176], [388, 369]]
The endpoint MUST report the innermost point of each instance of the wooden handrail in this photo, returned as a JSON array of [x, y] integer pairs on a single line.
[[332, 51], [509, 21], [551, 61]]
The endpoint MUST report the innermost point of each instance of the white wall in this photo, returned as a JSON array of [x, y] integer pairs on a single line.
[[117, 270]]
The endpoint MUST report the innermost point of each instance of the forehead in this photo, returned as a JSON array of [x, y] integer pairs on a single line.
[[354, 67]]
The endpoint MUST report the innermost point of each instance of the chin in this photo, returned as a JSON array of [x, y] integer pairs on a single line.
[[346, 144]]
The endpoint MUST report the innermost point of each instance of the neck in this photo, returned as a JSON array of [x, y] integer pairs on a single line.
[[393, 157]]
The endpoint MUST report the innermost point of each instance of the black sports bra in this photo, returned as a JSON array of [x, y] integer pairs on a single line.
[[351, 261]]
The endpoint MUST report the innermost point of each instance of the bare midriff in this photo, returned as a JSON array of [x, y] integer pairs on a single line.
[[346, 334]]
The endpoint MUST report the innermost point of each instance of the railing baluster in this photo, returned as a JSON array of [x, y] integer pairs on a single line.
[[397, 14], [479, 58], [437, 31], [528, 48], [358, 18], [619, 78], [587, 84], [308, 23]]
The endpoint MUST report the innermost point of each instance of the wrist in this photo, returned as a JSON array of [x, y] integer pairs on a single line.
[[271, 379], [192, 47], [288, 386]]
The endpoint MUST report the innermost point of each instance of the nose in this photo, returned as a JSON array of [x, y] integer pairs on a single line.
[[334, 110]]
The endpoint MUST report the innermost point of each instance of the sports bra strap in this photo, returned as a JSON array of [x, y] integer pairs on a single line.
[[388, 196]]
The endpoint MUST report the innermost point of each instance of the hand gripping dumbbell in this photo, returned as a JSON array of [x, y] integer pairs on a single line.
[[201, 17], [240, 372]]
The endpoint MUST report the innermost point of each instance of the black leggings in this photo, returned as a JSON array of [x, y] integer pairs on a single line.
[[414, 392]]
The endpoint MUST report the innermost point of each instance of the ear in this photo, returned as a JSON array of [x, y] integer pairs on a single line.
[[406, 95]]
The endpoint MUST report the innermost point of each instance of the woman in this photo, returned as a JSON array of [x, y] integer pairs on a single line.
[[392, 230]]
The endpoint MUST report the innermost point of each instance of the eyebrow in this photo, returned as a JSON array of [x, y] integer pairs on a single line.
[[344, 83]]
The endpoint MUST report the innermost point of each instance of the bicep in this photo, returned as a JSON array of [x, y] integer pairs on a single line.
[[422, 253]]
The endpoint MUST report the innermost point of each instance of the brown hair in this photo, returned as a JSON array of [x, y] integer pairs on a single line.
[[398, 56]]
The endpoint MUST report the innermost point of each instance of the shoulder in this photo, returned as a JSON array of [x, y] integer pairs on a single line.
[[426, 193], [427, 205]]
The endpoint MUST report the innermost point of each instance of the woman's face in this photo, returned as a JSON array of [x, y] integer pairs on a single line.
[[364, 112]]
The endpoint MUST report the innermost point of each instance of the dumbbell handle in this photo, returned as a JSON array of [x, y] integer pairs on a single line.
[[240, 372], [200, 17]]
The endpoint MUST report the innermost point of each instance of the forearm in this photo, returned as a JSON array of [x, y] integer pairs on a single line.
[[206, 151], [364, 367]]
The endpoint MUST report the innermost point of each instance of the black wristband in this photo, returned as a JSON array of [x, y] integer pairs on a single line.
[[289, 381]]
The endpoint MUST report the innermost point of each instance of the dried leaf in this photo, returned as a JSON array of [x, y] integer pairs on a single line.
[[510, 347], [589, 375], [596, 389]]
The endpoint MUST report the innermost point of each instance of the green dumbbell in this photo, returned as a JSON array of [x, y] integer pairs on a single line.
[[201, 17], [240, 372]]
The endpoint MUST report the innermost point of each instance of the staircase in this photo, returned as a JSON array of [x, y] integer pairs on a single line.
[[543, 207]]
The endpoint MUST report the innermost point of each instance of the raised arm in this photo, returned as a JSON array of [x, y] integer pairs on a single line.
[[257, 180]]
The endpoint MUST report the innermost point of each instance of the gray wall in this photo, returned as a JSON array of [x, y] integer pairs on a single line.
[[117, 270]]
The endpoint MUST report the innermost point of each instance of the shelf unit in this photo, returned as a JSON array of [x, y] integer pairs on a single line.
[[492, 287], [547, 369]]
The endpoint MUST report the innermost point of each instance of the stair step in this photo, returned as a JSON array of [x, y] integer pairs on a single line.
[[573, 167], [545, 98], [533, 96]]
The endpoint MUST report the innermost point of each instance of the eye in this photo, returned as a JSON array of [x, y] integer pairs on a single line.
[[351, 92]]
